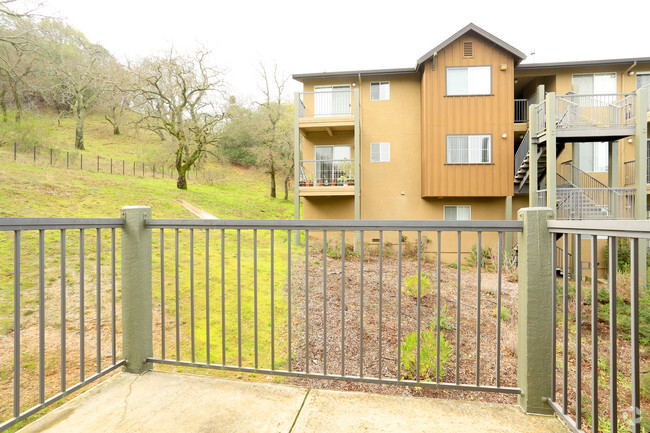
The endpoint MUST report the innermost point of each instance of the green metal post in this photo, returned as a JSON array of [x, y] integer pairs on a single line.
[[296, 164], [137, 328], [535, 307], [641, 175]]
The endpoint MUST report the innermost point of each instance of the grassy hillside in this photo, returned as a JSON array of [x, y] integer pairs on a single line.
[[29, 190]]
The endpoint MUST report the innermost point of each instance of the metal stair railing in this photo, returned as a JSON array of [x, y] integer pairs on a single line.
[[522, 151]]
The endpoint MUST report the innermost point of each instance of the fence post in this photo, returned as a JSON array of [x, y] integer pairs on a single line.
[[535, 322], [137, 313]]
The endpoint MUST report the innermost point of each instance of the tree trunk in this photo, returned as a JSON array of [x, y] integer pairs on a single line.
[[19, 104], [286, 187], [80, 116], [116, 130], [272, 173], [3, 104], [181, 182]]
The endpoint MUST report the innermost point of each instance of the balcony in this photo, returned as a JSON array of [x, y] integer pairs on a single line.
[[237, 296], [328, 111], [601, 117], [327, 177]]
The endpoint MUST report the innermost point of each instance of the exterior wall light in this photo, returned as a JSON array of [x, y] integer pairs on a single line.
[[504, 135]]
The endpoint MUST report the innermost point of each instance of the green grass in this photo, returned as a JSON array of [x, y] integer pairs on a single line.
[[29, 190]]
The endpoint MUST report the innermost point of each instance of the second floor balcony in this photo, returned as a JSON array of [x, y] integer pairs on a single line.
[[328, 109], [327, 177]]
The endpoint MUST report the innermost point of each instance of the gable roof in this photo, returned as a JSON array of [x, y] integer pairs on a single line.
[[519, 56]]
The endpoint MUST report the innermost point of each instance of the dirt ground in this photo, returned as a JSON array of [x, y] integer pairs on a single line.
[[381, 297]]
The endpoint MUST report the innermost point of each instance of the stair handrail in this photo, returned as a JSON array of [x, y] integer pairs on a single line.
[[522, 151]]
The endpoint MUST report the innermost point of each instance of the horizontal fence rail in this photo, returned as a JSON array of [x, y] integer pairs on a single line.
[[239, 296], [596, 326], [61, 320]]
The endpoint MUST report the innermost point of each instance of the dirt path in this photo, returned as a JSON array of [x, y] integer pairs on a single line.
[[199, 213]]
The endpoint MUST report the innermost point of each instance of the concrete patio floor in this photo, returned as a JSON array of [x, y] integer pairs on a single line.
[[174, 402]]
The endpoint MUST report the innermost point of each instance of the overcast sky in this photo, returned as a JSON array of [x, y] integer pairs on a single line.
[[307, 36]]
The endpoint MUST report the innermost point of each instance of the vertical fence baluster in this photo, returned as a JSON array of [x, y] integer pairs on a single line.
[[594, 332], [343, 251], [272, 299], [613, 332], [565, 323], [458, 269], [41, 316], [82, 290], [479, 263], [500, 258], [554, 315], [255, 293], [63, 312], [223, 297], [98, 297], [17, 366], [399, 305], [192, 345], [163, 340], [178, 318], [419, 308], [113, 300], [438, 294], [289, 300], [634, 312], [361, 309], [325, 301], [207, 296], [381, 289], [239, 297], [578, 265], [307, 301]]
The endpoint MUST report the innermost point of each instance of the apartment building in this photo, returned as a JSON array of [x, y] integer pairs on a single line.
[[452, 137]]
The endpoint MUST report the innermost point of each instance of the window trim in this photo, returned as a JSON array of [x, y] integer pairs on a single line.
[[489, 92], [444, 211], [490, 160], [380, 83], [380, 143]]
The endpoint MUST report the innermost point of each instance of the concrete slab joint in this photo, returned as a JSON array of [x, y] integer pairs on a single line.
[[137, 321], [535, 324]]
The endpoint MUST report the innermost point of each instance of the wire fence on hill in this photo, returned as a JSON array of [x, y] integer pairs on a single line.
[[76, 160]]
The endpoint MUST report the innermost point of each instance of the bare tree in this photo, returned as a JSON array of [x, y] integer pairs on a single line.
[[76, 69], [180, 96], [275, 130]]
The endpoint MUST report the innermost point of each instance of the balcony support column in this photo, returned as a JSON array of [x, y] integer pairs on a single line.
[[535, 323], [137, 319], [551, 154], [641, 174], [296, 165]]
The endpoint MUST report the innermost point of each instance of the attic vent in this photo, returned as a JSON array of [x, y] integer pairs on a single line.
[[467, 49]]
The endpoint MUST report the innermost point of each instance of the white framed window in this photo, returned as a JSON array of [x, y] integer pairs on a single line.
[[458, 213], [594, 84], [469, 149], [380, 91], [643, 80], [331, 162], [594, 157], [379, 152], [469, 80]]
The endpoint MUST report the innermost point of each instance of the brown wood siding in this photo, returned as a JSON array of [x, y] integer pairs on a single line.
[[443, 115]]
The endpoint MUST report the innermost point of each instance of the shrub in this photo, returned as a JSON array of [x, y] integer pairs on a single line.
[[428, 349], [488, 258], [411, 285]]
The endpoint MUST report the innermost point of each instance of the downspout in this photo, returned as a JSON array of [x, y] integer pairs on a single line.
[[631, 67]]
